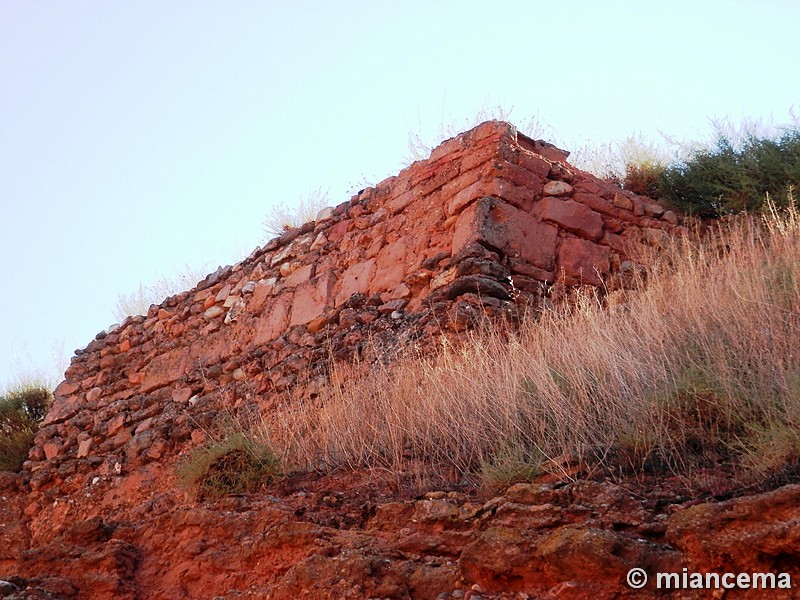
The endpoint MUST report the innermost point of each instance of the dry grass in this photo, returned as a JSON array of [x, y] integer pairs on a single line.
[[699, 366], [281, 217], [420, 145], [139, 302]]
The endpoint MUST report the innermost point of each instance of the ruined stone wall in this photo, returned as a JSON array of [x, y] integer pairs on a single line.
[[485, 225]]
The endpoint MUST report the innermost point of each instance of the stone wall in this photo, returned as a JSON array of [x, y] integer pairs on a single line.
[[484, 226]]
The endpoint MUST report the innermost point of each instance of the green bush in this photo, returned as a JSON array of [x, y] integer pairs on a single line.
[[511, 462], [234, 464], [730, 178], [21, 411]]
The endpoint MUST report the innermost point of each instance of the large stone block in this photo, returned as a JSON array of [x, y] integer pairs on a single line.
[[515, 232], [519, 196], [582, 261], [535, 163], [274, 321], [213, 346], [355, 280], [63, 408], [299, 275], [165, 369], [390, 267], [572, 216], [311, 298], [522, 177]]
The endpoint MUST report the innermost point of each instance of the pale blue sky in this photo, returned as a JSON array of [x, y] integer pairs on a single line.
[[139, 137]]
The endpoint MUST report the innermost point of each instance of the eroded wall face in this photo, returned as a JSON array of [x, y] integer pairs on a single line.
[[481, 227]]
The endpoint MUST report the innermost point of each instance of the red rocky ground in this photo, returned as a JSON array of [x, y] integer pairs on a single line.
[[356, 535]]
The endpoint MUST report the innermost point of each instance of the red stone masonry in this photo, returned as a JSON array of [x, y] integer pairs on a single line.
[[490, 220]]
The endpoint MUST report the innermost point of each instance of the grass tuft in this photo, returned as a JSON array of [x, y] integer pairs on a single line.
[[237, 463], [139, 302], [280, 217], [511, 462]]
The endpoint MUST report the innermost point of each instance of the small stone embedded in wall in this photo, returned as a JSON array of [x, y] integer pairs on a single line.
[[557, 188]]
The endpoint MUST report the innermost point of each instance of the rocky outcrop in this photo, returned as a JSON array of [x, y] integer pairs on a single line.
[[486, 227], [347, 537]]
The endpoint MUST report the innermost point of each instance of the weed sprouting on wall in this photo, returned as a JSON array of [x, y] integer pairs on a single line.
[[235, 463], [510, 462], [139, 302], [282, 217], [420, 144]]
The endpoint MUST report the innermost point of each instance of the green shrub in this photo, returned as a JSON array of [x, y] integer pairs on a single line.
[[730, 178], [234, 464], [511, 462], [771, 448], [21, 411]]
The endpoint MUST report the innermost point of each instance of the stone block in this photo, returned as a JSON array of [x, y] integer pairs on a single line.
[[93, 394], [534, 163], [557, 188], [165, 369], [396, 204], [324, 214], [670, 217], [572, 216], [390, 266], [582, 261], [522, 177], [517, 195], [51, 450], [181, 395], [84, 447], [223, 293], [447, 147], [515, 232], [299, 275], [480, 156], [261, 292], [275, 319], [213, 313], [354, 280], [116, 424], [464, 197], [311, 298], [65, 388], [338, 231], [623, 202]]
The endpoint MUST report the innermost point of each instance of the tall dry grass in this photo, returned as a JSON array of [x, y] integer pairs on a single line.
[[699, 365]]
